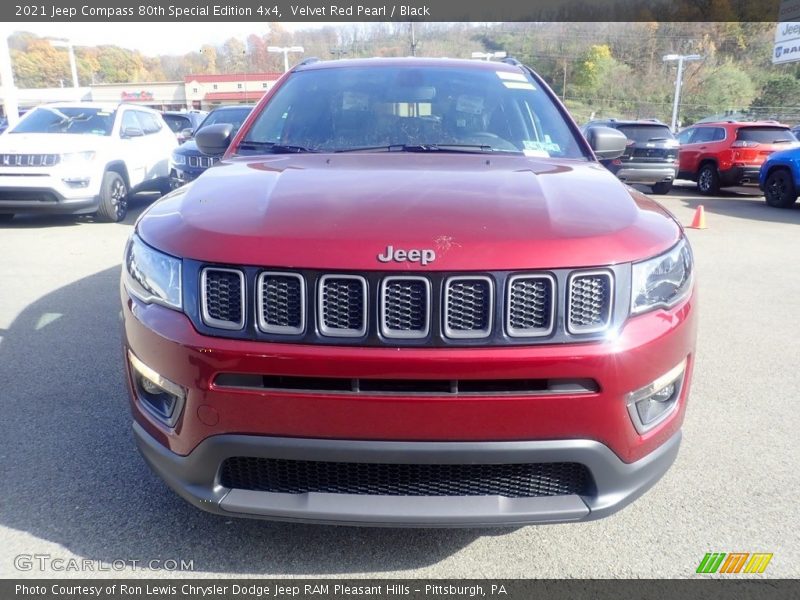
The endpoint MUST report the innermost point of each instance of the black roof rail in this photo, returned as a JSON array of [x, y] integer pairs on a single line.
[[308, 61], [510, 60]]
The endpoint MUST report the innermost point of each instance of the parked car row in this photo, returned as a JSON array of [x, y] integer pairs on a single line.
[[187, 161], [87, 158], [713, 154]]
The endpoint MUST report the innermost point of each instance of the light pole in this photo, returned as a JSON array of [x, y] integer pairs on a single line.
[[681, 58], [64, 43], [488, 55], [7, 80], [285, 51]]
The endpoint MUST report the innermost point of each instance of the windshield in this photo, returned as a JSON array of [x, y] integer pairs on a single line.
[[177, 123], [374, 108], [765, 135], [234, 116], [67, 119], [646, 133]]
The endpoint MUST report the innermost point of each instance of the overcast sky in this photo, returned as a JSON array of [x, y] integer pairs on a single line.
[[153, 38]]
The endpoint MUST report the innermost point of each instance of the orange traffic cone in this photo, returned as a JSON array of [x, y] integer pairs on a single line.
[[699, 220]]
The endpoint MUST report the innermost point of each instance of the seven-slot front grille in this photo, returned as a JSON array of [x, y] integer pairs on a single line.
[[431, 309], [530, 305], [388, 479], [222, 297], [343, 305], [590, 300], [405, 307], [29, 160], [468, 307]]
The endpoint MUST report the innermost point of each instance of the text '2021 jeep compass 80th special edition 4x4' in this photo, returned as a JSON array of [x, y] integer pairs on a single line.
[[409, 295]]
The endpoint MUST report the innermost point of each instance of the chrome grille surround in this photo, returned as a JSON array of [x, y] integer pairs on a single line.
[[400, 325], [590, 301], [542, 305], [206, 298], [344, 313], [202, 161], [457, 325], [29, 160], [283, 301]]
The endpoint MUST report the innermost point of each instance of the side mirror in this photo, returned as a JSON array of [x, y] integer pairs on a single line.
[[214, 139], [131, 132], [187, 133], [607, 143]]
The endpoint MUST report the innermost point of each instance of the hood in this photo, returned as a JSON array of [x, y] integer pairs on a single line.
[[340, 211], [188, 148], [50, 143]]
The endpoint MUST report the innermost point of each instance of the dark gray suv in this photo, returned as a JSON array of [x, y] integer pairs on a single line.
[[651, 157]]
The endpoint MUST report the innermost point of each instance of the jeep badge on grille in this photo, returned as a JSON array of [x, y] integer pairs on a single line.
[[423, 256]]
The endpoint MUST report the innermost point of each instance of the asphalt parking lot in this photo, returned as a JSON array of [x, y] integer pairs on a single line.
[[77, 488]]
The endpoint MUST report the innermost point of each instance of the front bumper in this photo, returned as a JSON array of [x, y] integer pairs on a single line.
[[593, 429], [47, 193], [195, 478]]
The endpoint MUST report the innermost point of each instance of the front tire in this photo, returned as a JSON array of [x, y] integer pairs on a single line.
[[779, 189], [662, 187], [113, 198], [708, 180]]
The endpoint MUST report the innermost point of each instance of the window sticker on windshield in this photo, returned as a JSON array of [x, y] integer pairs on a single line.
[[536, 153], [546, 148], [470, 104], [518, 85], [534, 149], [511, 76]]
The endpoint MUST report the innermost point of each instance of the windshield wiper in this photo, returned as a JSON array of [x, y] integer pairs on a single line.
[[274, 147], [466, 148], [658, 139]]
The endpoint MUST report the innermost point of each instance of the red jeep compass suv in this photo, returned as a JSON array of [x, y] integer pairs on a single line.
[[409, 295], [729, 153]]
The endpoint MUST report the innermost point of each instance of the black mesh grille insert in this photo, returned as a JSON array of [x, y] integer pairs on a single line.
[[589, 302], [405, 306], [469, 306], [281, 302], [530, 304], [342, 305], [301, 476], [223, 297]]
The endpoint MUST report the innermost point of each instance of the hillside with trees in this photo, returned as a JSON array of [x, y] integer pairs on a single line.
[[599, 69]]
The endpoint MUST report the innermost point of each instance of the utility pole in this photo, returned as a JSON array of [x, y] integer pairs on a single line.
[[681, 58], [64, 43], [413, 41]]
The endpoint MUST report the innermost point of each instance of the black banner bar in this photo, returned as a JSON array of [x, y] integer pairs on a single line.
[[383, 10], [734, 588]]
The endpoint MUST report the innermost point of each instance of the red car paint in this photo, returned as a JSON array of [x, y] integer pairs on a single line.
[[735, 162], [337, 212]]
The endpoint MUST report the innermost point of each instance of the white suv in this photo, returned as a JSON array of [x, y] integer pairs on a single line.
[[83, 158]]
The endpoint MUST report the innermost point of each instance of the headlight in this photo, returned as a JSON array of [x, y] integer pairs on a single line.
[[77, 157], [152, 276], [178, 159], [664, 280]]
